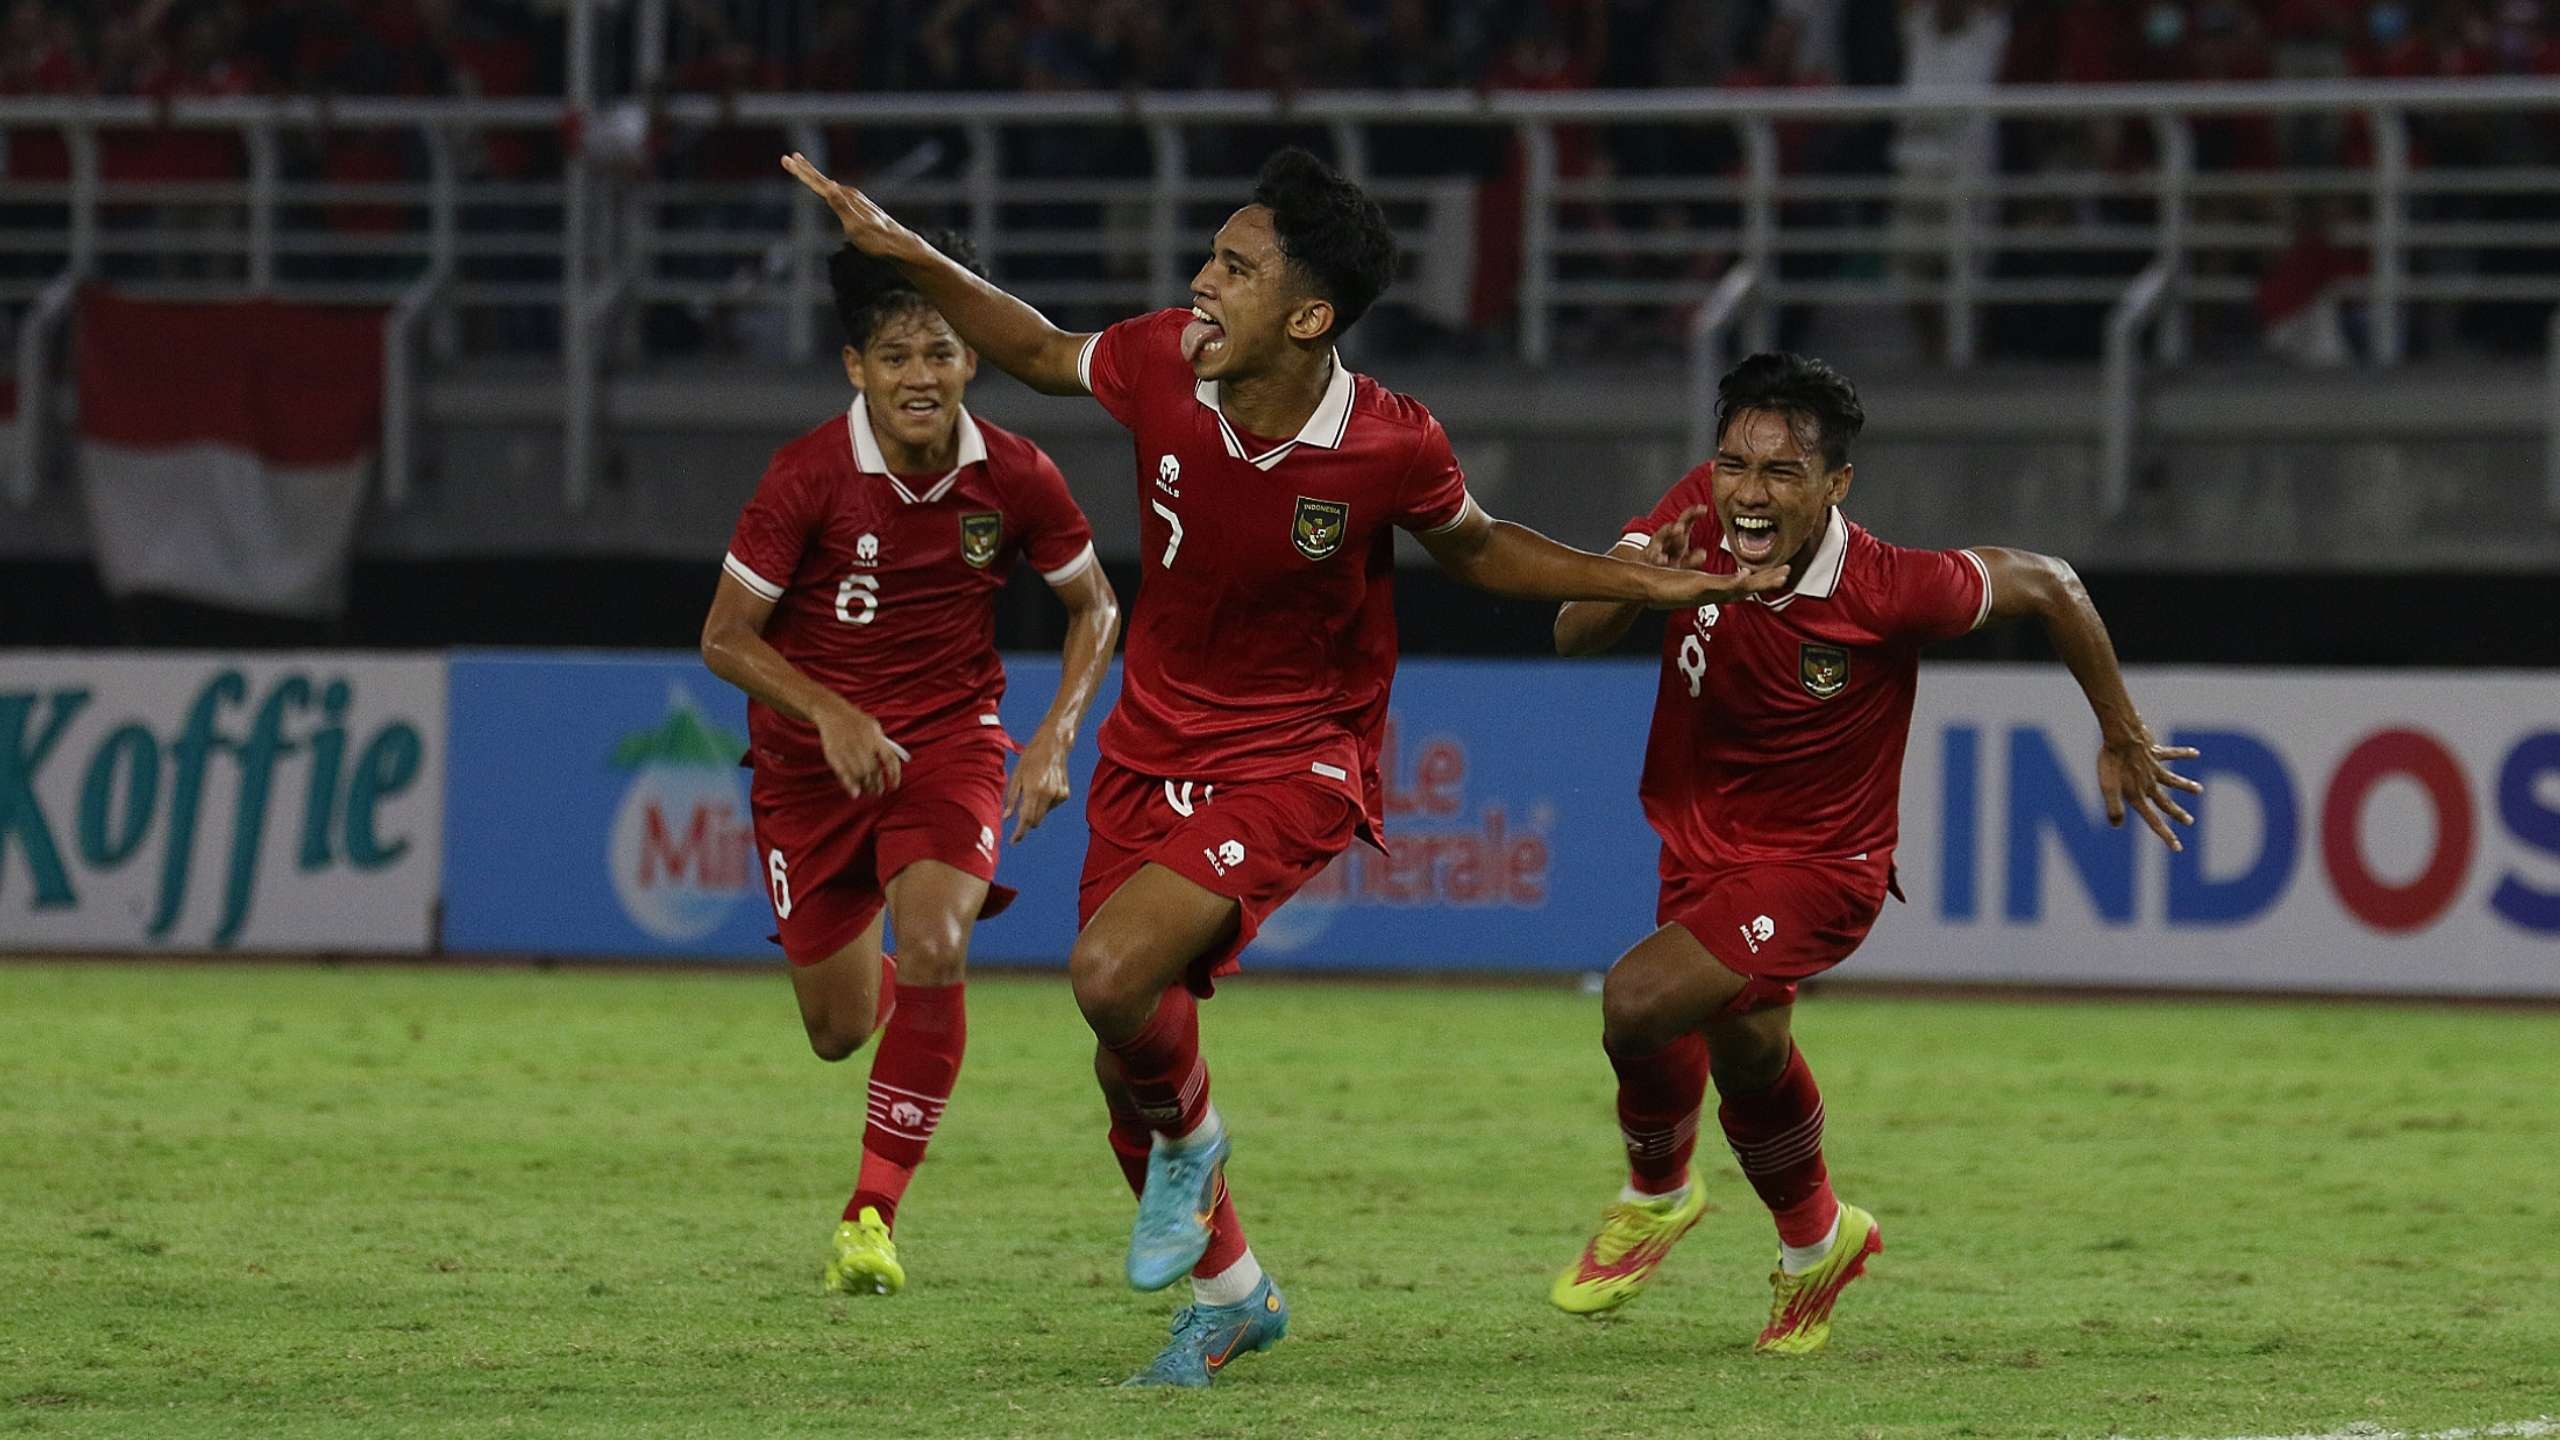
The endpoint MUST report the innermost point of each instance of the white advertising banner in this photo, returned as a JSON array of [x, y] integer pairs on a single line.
[[288, 802], [2359, 831]]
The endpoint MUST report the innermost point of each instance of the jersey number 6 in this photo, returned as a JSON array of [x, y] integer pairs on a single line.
[[863, 588]]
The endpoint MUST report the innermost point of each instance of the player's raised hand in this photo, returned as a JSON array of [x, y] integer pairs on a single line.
[[1038, 784], [866, 226], [865, 760], [2134, 774], [1673, 545]]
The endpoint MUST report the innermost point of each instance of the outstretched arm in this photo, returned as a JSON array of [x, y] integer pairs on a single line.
[[1589, 627], [1018, 339], [1515, 560], [1093, 621], [864, 760], [2133, 770]]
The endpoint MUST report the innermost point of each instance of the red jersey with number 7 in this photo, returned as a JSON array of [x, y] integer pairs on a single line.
[[1263, 639], [884, 586], [1780, 720]]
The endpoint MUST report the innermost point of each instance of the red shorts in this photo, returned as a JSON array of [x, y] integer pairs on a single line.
[[1253, 841], [828, 857], [1776, 922]]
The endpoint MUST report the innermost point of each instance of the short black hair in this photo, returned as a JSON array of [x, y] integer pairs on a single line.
[[1806, 391], [1330, 229], [870, 290]]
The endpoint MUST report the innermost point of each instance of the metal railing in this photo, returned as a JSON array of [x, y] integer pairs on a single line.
[[584, 256]]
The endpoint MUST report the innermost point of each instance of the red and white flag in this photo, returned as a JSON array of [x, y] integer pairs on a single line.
[[224, 448]]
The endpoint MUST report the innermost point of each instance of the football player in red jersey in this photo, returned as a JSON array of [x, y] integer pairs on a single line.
[[1773, 775], [1243, 753], [857, 609]]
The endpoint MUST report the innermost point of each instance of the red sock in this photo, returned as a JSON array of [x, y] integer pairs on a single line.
[[1776, 1134], [1226, 1238], [1130, 1142], [1659, 1095], [911, 1079], [1162, 1066]]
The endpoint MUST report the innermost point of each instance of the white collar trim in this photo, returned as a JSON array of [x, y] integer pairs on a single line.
[[1821, 577], [1324, 429], [868, 458]]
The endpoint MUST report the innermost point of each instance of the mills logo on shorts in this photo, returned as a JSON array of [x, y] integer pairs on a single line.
[[1227, 856], [1824, 669], [1319, 528], [981, 534], [1758, 932]]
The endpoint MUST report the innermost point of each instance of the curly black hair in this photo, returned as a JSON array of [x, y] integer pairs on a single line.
[[869, 290], [1806, 391], [1330, 230]]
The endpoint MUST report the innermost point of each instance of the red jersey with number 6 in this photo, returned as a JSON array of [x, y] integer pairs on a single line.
[[884, 585], [1263, 639], [1780, 721]]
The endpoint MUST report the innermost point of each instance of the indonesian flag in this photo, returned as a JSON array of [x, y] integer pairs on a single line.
[[224, 447]]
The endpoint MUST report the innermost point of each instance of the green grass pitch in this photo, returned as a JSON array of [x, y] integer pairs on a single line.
[[374, 1202]]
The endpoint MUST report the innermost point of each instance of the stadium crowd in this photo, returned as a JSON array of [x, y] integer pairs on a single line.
[[510, 47], [172, 48]]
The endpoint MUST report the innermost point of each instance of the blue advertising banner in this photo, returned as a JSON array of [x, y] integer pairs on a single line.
[[596, 809]]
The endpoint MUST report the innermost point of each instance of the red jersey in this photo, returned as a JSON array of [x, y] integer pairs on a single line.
[[884, 585], [1780, 722], [1263, 639]]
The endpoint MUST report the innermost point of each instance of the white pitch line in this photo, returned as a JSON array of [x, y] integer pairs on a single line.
[[2535, 1429]]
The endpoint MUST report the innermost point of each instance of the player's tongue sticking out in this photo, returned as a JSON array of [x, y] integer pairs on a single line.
[[1200, 334]]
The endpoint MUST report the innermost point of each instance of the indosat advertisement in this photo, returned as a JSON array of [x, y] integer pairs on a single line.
[[194, 803], [2358, 831]]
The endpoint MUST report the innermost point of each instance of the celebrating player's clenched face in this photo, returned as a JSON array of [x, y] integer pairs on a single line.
[[1248, 302], [911, 371], [1774, 487]]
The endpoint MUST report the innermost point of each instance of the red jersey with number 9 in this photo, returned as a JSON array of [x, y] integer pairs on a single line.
[[1263, 639], [884, 586], [1780, 720]]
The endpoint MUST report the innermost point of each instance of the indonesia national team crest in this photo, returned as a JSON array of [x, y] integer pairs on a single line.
[[1824, 669], [981, 533], [1319, 527]]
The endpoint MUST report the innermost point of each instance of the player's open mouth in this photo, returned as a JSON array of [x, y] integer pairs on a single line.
[[920, 408], [1203, 335], [1755, 538]]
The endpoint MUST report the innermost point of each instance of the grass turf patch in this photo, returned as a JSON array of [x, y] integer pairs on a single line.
[[377, 1202]]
